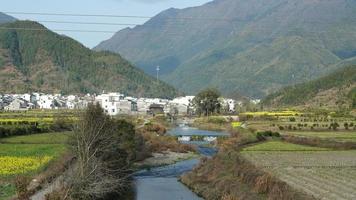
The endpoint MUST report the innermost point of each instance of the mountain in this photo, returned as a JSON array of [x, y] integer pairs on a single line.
[[252, 47], [33, 58], [4, 18], [336, 90]]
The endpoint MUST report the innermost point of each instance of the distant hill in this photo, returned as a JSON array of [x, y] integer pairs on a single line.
[[4, 18], [250, 47], [32, 60], [336, 90]]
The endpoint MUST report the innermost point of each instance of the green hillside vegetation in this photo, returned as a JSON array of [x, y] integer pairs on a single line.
[[343, 81], [6, 18], [352, 96], [261, 47], [45, 61]]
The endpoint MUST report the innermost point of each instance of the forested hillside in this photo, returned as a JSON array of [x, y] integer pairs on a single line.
[[6, 18], [336, 90], [249, 47], [32, 58]]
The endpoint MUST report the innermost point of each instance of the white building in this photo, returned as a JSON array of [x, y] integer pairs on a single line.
[[17, 105], [228, 105], [110, 102], [182, 104], [143, 104], [46, 101]]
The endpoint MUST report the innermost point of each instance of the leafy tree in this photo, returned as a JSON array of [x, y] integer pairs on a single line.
[[207, 102]]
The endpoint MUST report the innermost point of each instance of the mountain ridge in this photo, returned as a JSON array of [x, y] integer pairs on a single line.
[[333, 91], [215, 45], [4, 18], [48, 62]]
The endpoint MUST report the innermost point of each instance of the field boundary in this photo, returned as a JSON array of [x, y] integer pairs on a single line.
[[319, 142]]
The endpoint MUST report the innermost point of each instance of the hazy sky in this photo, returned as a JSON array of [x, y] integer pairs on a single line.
[[97, 7]]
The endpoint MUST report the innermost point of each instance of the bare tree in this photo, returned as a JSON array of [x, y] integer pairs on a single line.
[[102, 167]]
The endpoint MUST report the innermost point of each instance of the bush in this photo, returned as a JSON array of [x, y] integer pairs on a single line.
[[334, 125], [21, 183], [281, 128], [346, 125], [263, 135], [159, 129]]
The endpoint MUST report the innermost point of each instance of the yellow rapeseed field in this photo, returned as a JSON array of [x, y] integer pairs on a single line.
[[280, 113], [11, 165]]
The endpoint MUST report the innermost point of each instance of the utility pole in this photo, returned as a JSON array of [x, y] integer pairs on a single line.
[[157, 70]]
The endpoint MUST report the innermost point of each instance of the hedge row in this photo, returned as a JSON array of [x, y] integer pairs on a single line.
[[7, 131]]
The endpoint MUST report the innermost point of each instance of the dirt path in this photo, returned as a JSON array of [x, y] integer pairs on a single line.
[[41, 194]]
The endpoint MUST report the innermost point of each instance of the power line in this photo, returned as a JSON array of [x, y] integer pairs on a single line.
[[78, 15], [64, 30], [108, 31], [89, 23], [117, 16]]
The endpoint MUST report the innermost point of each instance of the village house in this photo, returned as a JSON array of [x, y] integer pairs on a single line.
[[183, 105], [156, 109], [46, 101], [17, 105], [228, 105]]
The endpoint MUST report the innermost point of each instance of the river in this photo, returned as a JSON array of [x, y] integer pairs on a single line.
[[161, 183]]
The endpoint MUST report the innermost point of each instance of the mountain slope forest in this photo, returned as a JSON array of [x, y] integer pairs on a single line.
[[336, 90], [250, 47], [32, 58], [6, 18]]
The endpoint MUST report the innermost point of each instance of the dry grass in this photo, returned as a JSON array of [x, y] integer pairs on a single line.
[[319, 142], [157, 141], [228, 175]]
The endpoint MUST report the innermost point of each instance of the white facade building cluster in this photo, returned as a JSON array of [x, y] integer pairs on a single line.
[[19, 102], [112, 103]]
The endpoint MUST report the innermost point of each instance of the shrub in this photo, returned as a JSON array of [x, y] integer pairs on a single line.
[[265, 134], [346, 125], [334, 125], [21, 183]]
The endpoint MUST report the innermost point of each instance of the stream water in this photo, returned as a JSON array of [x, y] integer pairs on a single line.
[[161, 183]]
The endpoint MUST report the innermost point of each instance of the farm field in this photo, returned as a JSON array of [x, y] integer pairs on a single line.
[[341, 136], [41, 138], [27, 155], [282, 146], [324, 174]]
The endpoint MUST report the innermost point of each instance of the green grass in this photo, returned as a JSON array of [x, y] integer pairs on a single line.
[[282, 146], [334, 135], [6, 191], [24, 150], [48, 144], [45, 138]]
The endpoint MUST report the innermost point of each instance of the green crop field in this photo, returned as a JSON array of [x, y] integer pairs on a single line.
[[343, 136], [27, 155], [282, 146], [43, 138], [37, 150], [6, 191], [322, 174]]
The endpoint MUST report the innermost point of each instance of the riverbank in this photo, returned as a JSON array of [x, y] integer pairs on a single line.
[[165, 158], [230, 176], [162, 182], [212, 123]]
